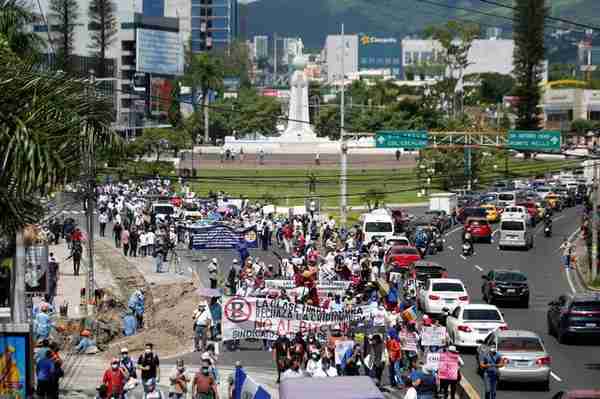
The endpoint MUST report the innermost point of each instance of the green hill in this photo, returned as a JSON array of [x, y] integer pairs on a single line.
[[313, 20]]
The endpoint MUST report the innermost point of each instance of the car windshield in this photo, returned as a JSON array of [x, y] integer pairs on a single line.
[[404, 251], [512, 226], [428, 269], [481, 314], [478, 223], [378, 227], [447, 287], [588, 306], [518, 277], [506, 197], [163, 210], [542, 190], [520, 344]]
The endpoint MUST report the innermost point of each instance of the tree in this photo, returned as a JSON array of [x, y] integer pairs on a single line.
[[48, 122], [456, 39], [160, 140], [582, 126], [494, 86], [327, 123], [103, 27], [14, 19], [373, 198], [64, 14], [528, 33], [205, 73]]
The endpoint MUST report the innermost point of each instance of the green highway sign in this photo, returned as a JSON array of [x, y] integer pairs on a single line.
[[407, 139], [534, 140]]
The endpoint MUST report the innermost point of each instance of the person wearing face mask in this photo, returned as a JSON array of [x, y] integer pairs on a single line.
[[326, 370], [294, 371], [149, 364], [490, 364], [281, 354], [313, 364], [127, 364], [179, 382], [203, 385], [114, 379]]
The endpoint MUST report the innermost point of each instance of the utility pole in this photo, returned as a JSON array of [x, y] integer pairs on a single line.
[[274, 58], [343, 145], [89, 198], [595, 197]]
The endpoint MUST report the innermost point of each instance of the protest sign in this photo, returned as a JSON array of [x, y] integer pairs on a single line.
[[222, 236], [448, 367], [395, 277], [341, 347], [432, 360], [408, 341], [433, 336], [323, 288], [265, 318]]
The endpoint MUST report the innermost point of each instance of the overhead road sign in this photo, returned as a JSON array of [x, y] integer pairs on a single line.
[[407, 139], [534, 140]]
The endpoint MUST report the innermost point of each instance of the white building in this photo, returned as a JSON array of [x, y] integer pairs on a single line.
[[563, 106], [340, 49], [261, 47], [485, 56]]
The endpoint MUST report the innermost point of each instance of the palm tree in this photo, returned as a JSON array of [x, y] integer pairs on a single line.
[[47, 123], [14, 18], [205, 73]]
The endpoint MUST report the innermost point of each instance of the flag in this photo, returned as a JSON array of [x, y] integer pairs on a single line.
[[246, 388], [410, 314]]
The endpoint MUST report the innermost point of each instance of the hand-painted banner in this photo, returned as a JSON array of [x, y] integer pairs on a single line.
[[222, 236], [433, 360], [256, 318], [408, 341], [433, 336], [448, 368], [334, 287]]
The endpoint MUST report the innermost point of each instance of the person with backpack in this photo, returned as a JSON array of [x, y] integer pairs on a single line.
[[114, 378]]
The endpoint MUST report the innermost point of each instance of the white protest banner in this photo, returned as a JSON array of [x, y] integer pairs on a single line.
[[256, 318], [433, 336], [341, 347], [408, 341], [395, 277], [432, 361], [323, 288]]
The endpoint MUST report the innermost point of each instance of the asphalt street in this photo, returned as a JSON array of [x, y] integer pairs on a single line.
[[574, 366]]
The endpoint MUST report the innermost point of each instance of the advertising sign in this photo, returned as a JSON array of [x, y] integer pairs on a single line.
[[433, 336], [158, 52], [264, 318], [15, 364], [408, 139], [221, 236], [36, 270]]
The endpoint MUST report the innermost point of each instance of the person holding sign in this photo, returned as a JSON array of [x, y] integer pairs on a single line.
[[490, 364], [449, 371]]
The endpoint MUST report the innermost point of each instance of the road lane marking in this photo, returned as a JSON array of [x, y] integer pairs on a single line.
[[451, 248], [478, 268], [557, 378], [454, 230]]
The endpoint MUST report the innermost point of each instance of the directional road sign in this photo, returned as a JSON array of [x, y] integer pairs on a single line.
[[534, 140], [407, 139]]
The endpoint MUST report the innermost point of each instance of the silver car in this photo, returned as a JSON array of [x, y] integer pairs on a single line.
[[523, 354]]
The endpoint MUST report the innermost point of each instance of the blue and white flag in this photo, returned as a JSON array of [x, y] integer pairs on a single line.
[[246, 388]]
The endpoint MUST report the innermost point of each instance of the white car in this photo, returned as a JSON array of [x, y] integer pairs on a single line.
[[442, 294], [469, 325], [512, 212]]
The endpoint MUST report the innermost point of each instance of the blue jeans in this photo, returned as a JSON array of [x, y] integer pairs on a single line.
[[395, 373], [490, 382], [426, 395], [158, 260]]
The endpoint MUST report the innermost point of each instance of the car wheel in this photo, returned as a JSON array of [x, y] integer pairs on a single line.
[[546, 385], [501, 247], [525, 303]]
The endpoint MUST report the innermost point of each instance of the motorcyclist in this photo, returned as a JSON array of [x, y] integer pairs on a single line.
[[547, 223], [468, 239]]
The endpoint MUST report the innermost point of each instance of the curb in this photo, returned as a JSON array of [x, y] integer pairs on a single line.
[[466, 391], [582, 281]]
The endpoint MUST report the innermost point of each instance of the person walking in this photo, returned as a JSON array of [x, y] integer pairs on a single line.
[[52, 277], [102, 220], [451, 382], [202, 321], [149, 364], [134, 239], [178, 381], [490, 364], [125, 240], [204, 385], [117, 230], [213, 273], [76, 254], [567, 250], [45, 371], [114, 378]]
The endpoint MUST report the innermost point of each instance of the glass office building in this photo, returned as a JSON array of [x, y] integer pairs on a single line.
[[153, 8], [214, 24], [377, 53]]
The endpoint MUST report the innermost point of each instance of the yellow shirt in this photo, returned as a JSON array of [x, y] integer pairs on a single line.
[[10, 378]]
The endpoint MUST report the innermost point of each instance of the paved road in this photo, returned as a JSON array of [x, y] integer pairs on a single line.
[[574, 366]]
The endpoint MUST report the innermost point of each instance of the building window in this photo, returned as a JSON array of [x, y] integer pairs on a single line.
[[595, 115], [396, 61], [426, 56], [408, 58], [380, 60], [388, 61], [40, 28], [196, 11], [372, 60], [364, 60], [396, 71]]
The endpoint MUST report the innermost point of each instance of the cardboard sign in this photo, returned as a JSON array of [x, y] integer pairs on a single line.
[[433, 360], [408, 341], [448, 366], [433, 336], [341, 347]]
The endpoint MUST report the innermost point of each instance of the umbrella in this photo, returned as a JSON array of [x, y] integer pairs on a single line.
[[209, 292]]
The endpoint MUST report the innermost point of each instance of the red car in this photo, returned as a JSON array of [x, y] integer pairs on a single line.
[[479, 228], [401, 257], [531, 209]]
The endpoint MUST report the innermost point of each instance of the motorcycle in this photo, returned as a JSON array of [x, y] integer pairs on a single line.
[[467, 248], [548, 230]]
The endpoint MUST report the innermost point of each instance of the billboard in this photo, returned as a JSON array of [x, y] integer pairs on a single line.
[[36, 270], [15, 362], [158, 52]]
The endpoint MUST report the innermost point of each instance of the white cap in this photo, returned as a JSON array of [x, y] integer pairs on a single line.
[[214, 260], [124, 350], [452, 348], [235, 261]]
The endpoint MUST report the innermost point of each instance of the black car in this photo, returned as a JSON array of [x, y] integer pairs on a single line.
[[423, 270], [440, 219], [573, 315], [505, 286]]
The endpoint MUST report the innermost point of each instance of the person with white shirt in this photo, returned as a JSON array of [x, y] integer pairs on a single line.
[[143, 243], [150, 239], [326, 370], [293, 372], [411, 391], [102, 220], [202, 320], [313, 364]]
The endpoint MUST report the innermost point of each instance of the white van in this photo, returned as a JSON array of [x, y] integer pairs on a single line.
[[378, 223], [515, 232], [163, 209]]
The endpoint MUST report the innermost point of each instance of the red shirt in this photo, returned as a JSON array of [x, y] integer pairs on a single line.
[[77, 236], [288, 232], [114, 381]]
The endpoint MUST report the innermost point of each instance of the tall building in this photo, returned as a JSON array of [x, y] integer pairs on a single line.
[[379, 54], [261, 47], [340, 55], [214, 24]]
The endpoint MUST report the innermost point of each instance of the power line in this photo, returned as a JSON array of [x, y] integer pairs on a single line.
[[558, 19]]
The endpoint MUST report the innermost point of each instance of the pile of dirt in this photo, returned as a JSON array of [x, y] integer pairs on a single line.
[[171, 330]]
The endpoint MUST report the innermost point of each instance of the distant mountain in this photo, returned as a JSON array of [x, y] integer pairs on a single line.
[[313, 20]]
